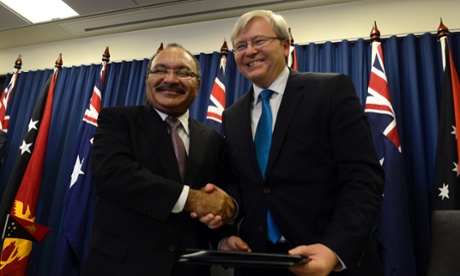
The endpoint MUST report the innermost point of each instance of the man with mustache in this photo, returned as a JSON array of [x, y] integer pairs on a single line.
[[146, 190]]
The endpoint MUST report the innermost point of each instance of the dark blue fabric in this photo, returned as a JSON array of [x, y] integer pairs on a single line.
[[414, 73]]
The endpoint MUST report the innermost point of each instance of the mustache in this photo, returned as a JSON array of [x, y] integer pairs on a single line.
[[166, 87]]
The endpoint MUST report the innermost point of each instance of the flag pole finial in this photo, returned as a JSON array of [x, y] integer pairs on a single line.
[[290, 36], [224, 49], [160, 48], [106, 55], [58, 63], [375, 33], [442, 30], [18, 62]]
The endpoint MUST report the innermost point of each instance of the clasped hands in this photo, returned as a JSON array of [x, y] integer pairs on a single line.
[[211, 205]]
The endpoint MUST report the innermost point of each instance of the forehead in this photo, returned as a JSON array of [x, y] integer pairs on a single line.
[[255, 26], [173, 57]]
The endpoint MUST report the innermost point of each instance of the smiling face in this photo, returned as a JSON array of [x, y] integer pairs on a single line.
[[261, 66], [166, 92]]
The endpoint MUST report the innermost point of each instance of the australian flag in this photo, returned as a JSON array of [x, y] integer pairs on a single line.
[[5, 99], [79, 198], [392, 230], [217, 100], [447, 182]]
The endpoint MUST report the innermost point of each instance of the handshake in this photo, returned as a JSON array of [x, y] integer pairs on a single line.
[[211, 205]]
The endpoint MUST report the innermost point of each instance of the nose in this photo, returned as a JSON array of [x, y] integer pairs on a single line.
[[250, 49], [170, 77]]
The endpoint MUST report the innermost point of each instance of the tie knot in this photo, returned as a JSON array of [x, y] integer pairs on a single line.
[[265, 94], [172, 122]]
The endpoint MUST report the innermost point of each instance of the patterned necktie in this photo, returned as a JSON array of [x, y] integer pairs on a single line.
[[179, 148], [262, 143]]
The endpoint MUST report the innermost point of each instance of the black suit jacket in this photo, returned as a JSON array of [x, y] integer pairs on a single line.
[[323, 182], [137, 180]]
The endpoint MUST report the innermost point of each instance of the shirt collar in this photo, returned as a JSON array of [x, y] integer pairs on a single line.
[[278, 85], [182, 118]]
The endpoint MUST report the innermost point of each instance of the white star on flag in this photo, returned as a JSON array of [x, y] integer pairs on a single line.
[[76, 171], [32, 125], [25, 147], [444, 191]]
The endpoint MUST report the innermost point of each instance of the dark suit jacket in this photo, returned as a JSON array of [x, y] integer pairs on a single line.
[[137, 180], [323, 181]]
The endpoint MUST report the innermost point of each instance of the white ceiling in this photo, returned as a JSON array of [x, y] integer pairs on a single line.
[[99, 17]]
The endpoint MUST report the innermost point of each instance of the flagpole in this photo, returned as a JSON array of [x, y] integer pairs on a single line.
[[160, 48], [224, 50], [375, 39], [443, 33]]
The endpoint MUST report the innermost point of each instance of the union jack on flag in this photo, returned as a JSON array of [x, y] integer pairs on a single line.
[[5, 99], [217, 100], [379, 100]]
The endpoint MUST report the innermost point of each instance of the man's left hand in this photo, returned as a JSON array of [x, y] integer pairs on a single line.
[[322, 260]]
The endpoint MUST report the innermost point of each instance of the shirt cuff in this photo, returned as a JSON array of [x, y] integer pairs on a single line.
[[340, 265], [179, 206]]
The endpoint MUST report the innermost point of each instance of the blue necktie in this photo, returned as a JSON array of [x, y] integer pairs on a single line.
[[262, 143]]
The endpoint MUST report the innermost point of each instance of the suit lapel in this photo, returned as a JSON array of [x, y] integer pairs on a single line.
[[197, 150], [289, 104], [160, 142], [244, 131]]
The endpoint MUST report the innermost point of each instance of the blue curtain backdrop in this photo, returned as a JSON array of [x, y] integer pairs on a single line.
[[414, 72]]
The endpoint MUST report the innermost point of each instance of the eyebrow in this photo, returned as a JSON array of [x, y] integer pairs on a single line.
[[164, 66]]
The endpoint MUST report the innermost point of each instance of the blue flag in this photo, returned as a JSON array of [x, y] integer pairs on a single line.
[[392, 230], [79, 198]]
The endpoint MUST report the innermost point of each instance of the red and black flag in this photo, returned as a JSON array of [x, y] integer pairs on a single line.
[[22, 190]]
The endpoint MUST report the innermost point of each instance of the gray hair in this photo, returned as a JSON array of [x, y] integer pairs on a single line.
[[277, 22]]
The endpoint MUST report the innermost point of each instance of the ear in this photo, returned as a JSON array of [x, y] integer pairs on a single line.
[[286, 47]]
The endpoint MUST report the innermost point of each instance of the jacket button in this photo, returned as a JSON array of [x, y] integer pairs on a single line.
[[260, 229], [266, 190], [172, 248]]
